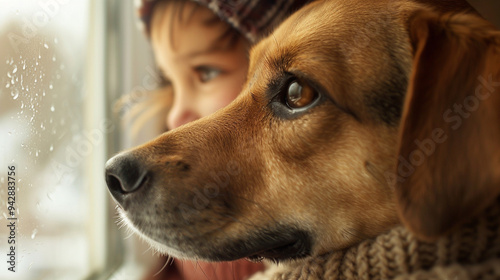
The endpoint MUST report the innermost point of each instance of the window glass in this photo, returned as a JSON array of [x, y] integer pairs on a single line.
[[45, 136]]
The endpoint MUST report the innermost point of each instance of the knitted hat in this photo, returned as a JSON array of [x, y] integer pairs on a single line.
[[252, 18]]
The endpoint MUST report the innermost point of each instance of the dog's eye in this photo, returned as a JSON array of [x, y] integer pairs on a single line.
[[300, 95], [291, 96]]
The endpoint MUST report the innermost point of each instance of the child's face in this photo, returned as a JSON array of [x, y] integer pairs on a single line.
[[205, 71]]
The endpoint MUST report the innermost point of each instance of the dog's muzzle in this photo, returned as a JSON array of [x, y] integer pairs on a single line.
[[162, 206]]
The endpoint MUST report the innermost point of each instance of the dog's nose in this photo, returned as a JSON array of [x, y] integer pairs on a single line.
[[124, 174]]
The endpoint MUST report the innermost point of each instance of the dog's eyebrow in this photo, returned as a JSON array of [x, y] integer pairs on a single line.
[[279, 64]]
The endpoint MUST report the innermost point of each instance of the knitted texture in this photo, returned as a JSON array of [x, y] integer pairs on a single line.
[[471, 252], [252, 18]]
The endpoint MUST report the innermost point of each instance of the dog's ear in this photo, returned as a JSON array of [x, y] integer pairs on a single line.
[[449, 143]]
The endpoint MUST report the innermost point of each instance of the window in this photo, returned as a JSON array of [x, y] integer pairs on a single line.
[[53, 131], [63, 65]]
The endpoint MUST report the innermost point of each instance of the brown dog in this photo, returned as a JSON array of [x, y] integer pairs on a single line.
[[354, 111]]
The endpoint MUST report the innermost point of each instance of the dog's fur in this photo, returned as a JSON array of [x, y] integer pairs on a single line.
[[385, 136]]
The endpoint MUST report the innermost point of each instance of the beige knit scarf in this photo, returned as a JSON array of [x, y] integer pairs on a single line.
[[471, 252]]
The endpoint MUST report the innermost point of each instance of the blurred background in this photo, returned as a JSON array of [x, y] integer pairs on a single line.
[[64, 64]]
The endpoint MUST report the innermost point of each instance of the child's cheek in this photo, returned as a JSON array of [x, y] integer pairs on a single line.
[[222, 100], [225, 93]]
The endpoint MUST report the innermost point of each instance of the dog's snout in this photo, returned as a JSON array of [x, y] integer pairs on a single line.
[[124, 174]]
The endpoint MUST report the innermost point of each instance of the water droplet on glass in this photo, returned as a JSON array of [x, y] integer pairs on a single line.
[[24, 66], [53, 58], [49, 196], [36, 154], [16, 95], [43, 93], [51, 86], [33, 235], [15, 69], [22, 105], [7, 85], [45, 46], [52, 109], [11, 61], [51, 148], [39, 56], [9, 75]]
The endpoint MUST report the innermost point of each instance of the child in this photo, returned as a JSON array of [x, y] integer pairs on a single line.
[[202, 49], [213, 77]]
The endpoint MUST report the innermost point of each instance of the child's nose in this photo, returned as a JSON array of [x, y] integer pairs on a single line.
[[180, 114]]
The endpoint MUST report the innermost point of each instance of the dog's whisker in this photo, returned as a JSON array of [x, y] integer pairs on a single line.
[[349, 234], [129, 235], [276, 41], [155, 251], [120, 224], [120, 221], [234, 271], [170, 260], [163, 267], [148, 249], [152, 248], [203, 271]]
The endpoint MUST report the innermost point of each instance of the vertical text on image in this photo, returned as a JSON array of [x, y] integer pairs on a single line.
[[11, 218]]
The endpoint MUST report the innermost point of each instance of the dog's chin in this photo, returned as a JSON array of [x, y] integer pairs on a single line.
[[281, 243], [155, 245]]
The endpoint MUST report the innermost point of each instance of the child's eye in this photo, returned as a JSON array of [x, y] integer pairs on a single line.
[[207, 73]]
